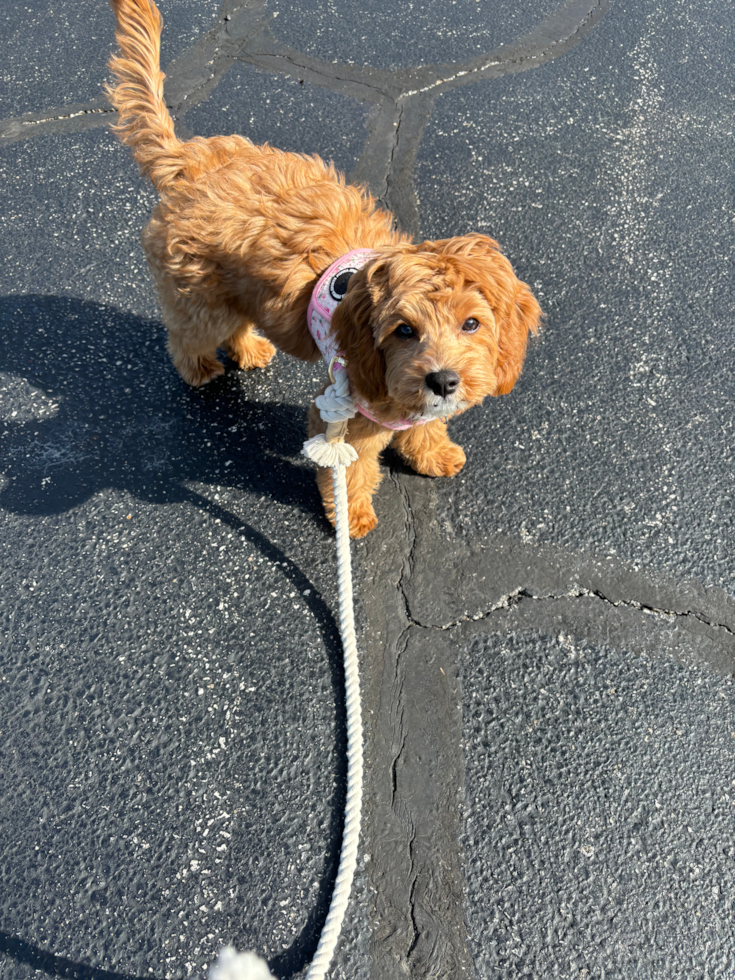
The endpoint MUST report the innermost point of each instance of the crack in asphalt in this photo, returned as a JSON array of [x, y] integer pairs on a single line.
[[281, 59], [68, 115], [419, 943], [393, 89], [407, 563], [526, 49], [396, 758], [242, 33], [400, 106], [62, 119], [414, 873], [402, 639], [217, 50], [420, 876], [598, 8], [521, 594], [415, 867]]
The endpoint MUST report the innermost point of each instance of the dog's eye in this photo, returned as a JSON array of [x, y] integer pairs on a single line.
[[404, 331], [471, 325]]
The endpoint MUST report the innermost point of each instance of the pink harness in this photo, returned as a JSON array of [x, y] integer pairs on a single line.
[[328, 294]]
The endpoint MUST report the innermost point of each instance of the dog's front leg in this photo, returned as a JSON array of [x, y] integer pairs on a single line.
[[363, 476], [429, 450]]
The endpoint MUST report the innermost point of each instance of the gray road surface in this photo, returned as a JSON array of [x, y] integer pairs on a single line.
[[547, 641]]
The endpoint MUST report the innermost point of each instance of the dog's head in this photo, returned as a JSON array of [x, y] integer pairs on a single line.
[[431, 329]]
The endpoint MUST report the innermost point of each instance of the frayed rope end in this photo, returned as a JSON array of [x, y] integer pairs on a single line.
[[231, 965], [325, 453]]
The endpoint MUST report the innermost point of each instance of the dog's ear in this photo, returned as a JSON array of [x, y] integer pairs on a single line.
[[522, 315], [516, 311], [354, 322]]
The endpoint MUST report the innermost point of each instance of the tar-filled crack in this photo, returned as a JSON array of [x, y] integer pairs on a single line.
[[402, 640], [407, 564], [412, 897], [68, 115], [387, 181], [520, 595], [397, 756], [280, 63], [387, 88], [497, 62], [218, 58]]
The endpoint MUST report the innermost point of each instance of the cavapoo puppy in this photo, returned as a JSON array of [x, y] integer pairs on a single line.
[[252, 249]]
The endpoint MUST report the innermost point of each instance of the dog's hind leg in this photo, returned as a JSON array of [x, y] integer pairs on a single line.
[[195, 367], [195, 331]]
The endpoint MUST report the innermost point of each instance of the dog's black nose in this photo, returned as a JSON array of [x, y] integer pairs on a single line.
[[442, 383]]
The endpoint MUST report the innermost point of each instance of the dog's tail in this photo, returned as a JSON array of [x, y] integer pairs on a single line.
[[145, 123]]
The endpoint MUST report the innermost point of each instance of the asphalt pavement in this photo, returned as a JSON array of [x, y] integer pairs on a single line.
[[547, 641]]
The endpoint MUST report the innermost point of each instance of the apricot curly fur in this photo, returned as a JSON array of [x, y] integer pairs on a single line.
[[242, 233]]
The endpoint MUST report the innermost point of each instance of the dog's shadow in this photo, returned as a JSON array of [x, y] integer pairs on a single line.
[[90, 401]]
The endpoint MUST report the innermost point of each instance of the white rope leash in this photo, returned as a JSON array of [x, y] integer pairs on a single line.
[[353, 806], [336, 407]]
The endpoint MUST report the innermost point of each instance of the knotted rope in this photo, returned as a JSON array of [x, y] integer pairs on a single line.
[[336, 408], [336, 404]]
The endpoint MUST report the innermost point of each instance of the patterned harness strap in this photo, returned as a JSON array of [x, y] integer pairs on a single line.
[[328, 294]]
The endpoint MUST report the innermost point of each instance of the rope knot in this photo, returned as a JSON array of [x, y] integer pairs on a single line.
[[231, 965], [336, 408], [336, 404], [325, 453]]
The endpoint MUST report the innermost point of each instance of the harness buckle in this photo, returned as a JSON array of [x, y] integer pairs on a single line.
[[337, 359]]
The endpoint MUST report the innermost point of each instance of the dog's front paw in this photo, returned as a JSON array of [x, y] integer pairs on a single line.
[[447, 460], [251, 351], [362, 520]]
